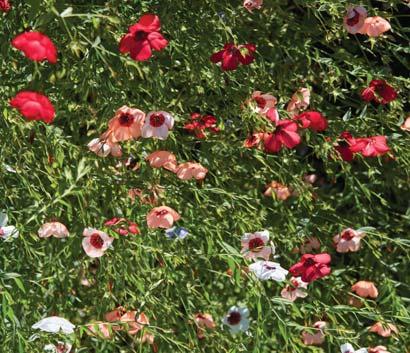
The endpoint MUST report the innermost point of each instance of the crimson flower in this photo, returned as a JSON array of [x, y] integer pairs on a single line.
[[5, 5], [312, 267], [380, 92], [312, 120], [199, 123], [33, 106], [36, 46], [343, 146], [142, 38], [231, 56], [370, 146], [122, 226], [285, 135]]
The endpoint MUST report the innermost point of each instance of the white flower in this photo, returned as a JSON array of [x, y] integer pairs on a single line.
[[254, 245], [265, 270], [7, 232], [55, 324], [237, 319], [348, 348], [157, 124]]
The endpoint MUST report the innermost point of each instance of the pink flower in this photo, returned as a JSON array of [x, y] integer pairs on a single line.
[[365, 289], [99, 329], [157, 124], [95, 242], [203, 321], [369, 146], [282, 192], [231, 56], [255, 245], [264, 104], [312, 120], [126, 124], [285, 135], [406, 125], [36, 46], [191, 170], [348, 240], [162, 217], [122, 226], [253, 140], [312, 267], [252, 4], [316, 338], [103, 146], [299, 101], [378, 349], [297, 289], [163, 159], [309, 245], [375, 26], [354, 19], [5, 5], [55, 229], [384, 330]]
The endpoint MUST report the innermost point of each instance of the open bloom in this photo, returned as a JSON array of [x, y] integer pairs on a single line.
[[55, 229], [54, 324], [378, 349], [354, 19], [348, 240], [122, 226], [104, 146], [60, 347], [176, 233], [163, 159], [365, 289], [157, 124], [33, 106], [142, 38], [317, 338], [162, 217], [232, 55], [265, 270], [285, 135], [126, 124], [380, 92], [36, 46], [348, 348], [191, 170], [237, 319], [299, 101], [375, 26], [282, 192], [255, 245], [296, 289], [96, 242], [5, 5], [312, 120], [203, 321], [252, 4], [372, 146], [201, 123], [384, 330], [6, 231], [264, 104], [312, 267]]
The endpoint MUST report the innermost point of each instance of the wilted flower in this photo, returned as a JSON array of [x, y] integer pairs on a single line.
[[380, 92], [252, 4], [348, 240], [316, 338], [157, 124], [264, 104], [122, 226], [100, 329], [60, 347], [203, 321], [6, 231], [299, 101], [265, 270], [255, 245], [384, 330], [254, 140], [103, 146], [282, 192], [200, 123], [54, 324], [95, 242], [378, 349], [191, 170], [55, 229], [406, 125], [162, 217], [237, 319], [176, 232], [309, 245], [296, 289], [163, 159], [365, 289], [354, 19]]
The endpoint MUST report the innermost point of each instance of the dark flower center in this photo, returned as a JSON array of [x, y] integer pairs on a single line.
[[310, 262], [156, 119], [256, 244], [234, 318], [348, 235], [1, 232], [353, 20], [162, 213], [295, 285], [141, 35], [261, 102], [96, 241], [126, 119]]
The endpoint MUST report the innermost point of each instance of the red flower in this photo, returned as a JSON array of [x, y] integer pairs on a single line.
[[312, 267], [313, 120], [370, 146], [142, 38], [231, 56], [33, 106], [380, 92], [285, 135], [343, 146], [36, 46], [5, 6], [201, 123], [122, 226], [253, 140]]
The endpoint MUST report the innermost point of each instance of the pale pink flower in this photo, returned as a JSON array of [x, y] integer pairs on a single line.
[[126, 124], [299, 101], [406, 125], [163, 159], [309, 245], [157, 124], [282, 192], [264, 104], [378, 349], [297, 289], [100, 329], [375, 26], [384, 330], [104, 146], [203, 321], [348, 240], [317, 338], [162, 217], [354, 19], [252, 4], [365, 289], [191, 170], [255, 245], [95, 242], [55, 229]]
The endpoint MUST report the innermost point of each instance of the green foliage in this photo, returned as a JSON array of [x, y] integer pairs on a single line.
[[300, 43]]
